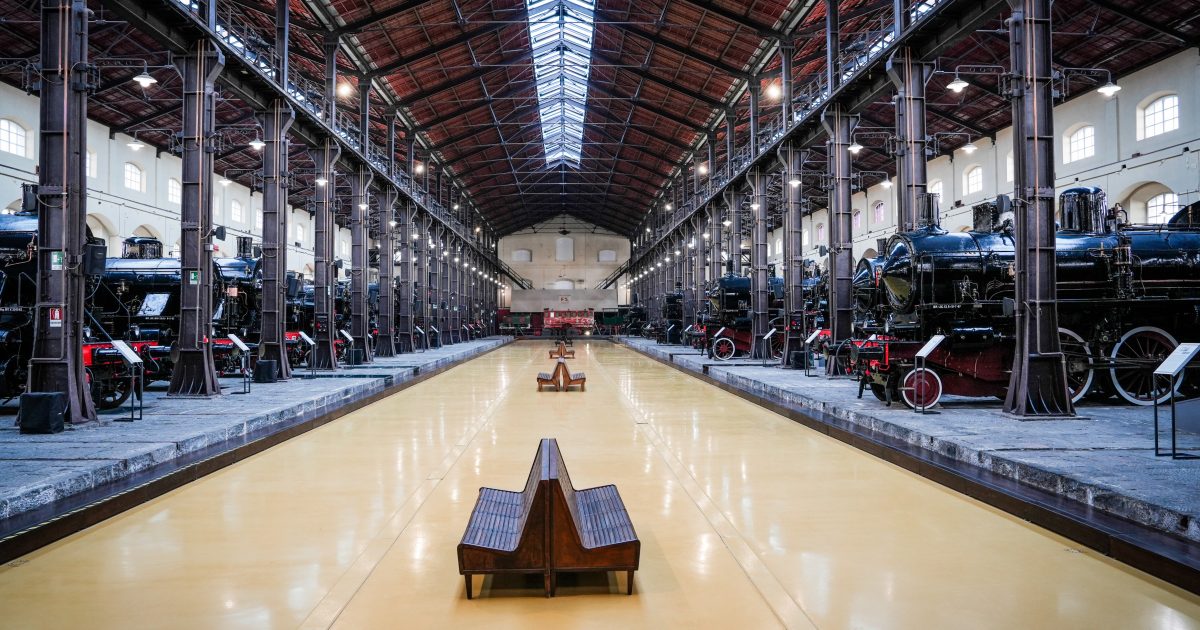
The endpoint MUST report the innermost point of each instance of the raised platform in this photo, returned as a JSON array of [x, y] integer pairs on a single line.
[[1103, 460], [43, 475]]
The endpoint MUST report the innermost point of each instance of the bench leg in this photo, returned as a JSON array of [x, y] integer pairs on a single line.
[[629, 583], [553, 584], [470, 594], [546, 578]]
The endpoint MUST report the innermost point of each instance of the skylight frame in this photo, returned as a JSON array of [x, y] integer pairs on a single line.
[[561, 33]]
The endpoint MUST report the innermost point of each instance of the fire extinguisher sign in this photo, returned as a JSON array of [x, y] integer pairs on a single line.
[[56, 261], [193, 277], [56, 317]]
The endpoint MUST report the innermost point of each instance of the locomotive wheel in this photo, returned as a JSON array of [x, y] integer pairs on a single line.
[[1079, 363], [879, 391], [723, 348], [1134, 358], [921, 388], [111, 394], [777, 343]]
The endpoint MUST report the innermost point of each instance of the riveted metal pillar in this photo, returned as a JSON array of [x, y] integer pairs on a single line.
[[330, 48], [793, 249], [734, 251], [1038, 385], [422, 246], [195, 372], [360, 311], [283, 33], [755, 91], [759, 282], [730, 143], [272, 346], [840, 127], [910, 76], [385, 340], [404, 290], [57, 360], [445, 237], [324, 356], [696, 282], [786, 50], [715, 235]]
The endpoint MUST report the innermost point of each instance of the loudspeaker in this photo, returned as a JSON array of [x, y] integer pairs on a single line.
[[42, 412], [293, 285], [266, 371], [94, 258], [354, 357]]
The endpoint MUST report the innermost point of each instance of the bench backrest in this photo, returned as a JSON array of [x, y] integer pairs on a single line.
[[558, 472], [539, 472]]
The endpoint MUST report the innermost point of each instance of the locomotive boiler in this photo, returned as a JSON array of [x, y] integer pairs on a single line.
[[1127, 295]]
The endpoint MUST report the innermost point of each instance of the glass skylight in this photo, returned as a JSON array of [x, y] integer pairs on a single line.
[[561, 34]]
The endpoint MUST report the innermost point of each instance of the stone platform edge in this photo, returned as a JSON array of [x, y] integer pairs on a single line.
[[130, 482], [1123, 527]]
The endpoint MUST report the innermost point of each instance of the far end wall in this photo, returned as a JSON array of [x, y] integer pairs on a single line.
[[576, 261]]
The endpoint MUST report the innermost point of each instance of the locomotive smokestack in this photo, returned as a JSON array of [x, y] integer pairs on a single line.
[[245, 247], [927, 211]]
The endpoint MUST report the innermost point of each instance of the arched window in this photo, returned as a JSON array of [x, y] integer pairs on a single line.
[[235, 211], [92, 168], [1081, 144], [857, 218], [564, 249], [300, 234], [522, 255], [13, 138], [258, 218], [877, 212], [135, 177], [820, 232], [935, 189], [973, 180], [804, 238], [1161, 208], [1009, 169], [607, 256], [1158, 117]]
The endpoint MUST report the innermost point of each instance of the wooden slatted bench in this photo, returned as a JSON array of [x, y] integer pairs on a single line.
[[548, 378], [574, 378], [560, 352], [590, 529], [507, 532], [549, 527]]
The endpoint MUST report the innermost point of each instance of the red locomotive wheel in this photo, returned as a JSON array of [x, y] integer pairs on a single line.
[[724, 348], [921, 388]]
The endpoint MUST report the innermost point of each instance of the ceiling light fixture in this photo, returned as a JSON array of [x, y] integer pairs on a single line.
[[854, 148], [957, 85], [135, 144], [773, 91], [887, 183], [794, 182], [257, 144], [1108, 89], [321, 181], [145, 79], [969, 148]]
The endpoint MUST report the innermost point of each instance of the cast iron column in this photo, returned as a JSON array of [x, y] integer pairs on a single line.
[[360, 310], [730, 143], [385, 342], [195, 372], [755, 90], [443, 318], [324, 356], [57, 361], [839, 126], [793, 249], [714, 242], [1038, 385], [785, 82], [275, 123], [735, 231], [696, 282], [759, 286], [283, 19], [909, 76], [404, 291]]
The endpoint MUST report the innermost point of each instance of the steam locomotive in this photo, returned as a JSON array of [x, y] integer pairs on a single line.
[[1128, 294], [727, 319]]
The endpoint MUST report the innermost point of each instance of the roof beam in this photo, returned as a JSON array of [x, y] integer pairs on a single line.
[[764, 31], [643, 74], [472, 76], [435, 49], [377, 17], [657, 40], [1132, 16]]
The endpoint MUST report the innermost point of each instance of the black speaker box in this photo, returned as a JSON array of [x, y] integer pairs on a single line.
[[94, 258], [266, 371], [42, 412]]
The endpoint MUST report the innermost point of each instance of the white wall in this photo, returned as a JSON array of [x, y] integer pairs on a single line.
[[120, 211], [585, 271], [1129, 170]]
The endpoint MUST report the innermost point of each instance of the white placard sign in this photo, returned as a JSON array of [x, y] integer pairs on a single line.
[[769, 333], [241, 345], [930, 346], [718, 333], [346, 336], [420, 331], [813, 337], [1177, 360], [308, 340], [127, 353], [435, 330]]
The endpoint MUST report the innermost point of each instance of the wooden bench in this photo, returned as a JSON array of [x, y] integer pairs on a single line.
[[590, 529], [548, 378], [560, 352], [507, 532], [549, 527], [574, 378]]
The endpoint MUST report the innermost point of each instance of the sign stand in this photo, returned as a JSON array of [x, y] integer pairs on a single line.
[[1169, 370], [420, 331], [137, 373], [312, 347], [919, 363], [244, 350], [808, 351], [766, 340]]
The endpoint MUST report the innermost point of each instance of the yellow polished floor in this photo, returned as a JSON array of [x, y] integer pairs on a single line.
[[747, 521]]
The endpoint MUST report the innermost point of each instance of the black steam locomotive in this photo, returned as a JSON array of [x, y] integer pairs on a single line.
[[727, 319], [1127, 295]]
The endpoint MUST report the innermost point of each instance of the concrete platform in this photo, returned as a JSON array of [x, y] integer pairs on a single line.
[[38, 471], [1103, 459]]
